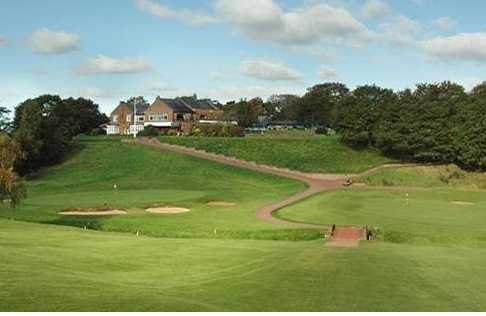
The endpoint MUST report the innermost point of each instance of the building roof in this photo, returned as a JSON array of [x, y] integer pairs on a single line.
[[120, 105], [175, 104], [142, 108], [199, 104]]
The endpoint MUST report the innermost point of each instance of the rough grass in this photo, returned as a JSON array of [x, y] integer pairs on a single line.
[[306, 153], [427, 177], [54, 268], [146, 176]]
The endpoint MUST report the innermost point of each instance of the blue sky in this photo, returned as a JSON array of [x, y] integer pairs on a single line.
[[229, 49]]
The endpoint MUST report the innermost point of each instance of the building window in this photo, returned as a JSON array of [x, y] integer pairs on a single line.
[[159, 117], [115, 118], [129, 119]]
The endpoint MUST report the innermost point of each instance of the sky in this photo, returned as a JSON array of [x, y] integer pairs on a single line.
[[110, 50]]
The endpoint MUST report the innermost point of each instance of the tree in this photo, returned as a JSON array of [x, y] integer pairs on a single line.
[[278, 107], [422, 124], [318, 107], [471, 130], [5, 123], [45, 126], [81, 116], [41, 132], [360, 114], [12, 188], [139, 101], [246, 113]]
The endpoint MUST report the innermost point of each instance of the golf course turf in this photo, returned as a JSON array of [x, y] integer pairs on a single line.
[[429, 255]]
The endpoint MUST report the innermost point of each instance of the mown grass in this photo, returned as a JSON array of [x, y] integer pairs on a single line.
[[429, 257], [426, 205], [146, 176], [304, 153], [54, 268]]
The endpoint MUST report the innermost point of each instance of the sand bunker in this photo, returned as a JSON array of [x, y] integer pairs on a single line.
[[462, 203], [92, 212], [221, 203], [167, 210]]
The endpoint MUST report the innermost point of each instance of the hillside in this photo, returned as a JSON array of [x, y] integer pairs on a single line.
[[304, 152], [147, 177]]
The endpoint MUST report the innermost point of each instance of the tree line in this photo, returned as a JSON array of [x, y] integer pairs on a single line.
[[43, 128], [433, 123]]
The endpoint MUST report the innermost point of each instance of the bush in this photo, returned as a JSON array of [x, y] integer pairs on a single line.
[[97, 132], [321, 131], [217, 130], [149, 131]]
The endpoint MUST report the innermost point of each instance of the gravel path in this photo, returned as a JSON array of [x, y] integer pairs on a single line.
[[316, 182]]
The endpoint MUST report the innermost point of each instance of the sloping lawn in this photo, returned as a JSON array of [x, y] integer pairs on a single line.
[[325, 154], [150, 177]]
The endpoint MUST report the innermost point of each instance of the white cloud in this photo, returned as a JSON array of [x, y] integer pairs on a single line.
[[401, 31], [265, 20], [45, 41], [460, 47], [469, 82], [3, 40], [375, 9], [229, 93], [267, 69], [445, 23], [164, 12], [327, 73], [102, 64]]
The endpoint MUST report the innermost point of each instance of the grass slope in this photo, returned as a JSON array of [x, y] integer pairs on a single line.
[[449, 176], [145, 177], [324, 154], [53, 268]]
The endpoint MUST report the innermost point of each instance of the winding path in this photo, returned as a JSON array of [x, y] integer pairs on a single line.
[[316, 182]]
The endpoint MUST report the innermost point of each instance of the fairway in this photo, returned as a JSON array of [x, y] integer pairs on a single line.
[[426, 216], [316, 153], [147, 178], [51, 268]]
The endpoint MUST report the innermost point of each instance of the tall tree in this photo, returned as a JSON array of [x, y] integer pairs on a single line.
[[41, 132], [319, 105], [5, 122], [12, 188], [246, 113], [360, 114], [278, 107], [471, 132], [81, 116]]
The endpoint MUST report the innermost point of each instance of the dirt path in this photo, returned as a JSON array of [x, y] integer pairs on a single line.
[[316, 182]]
